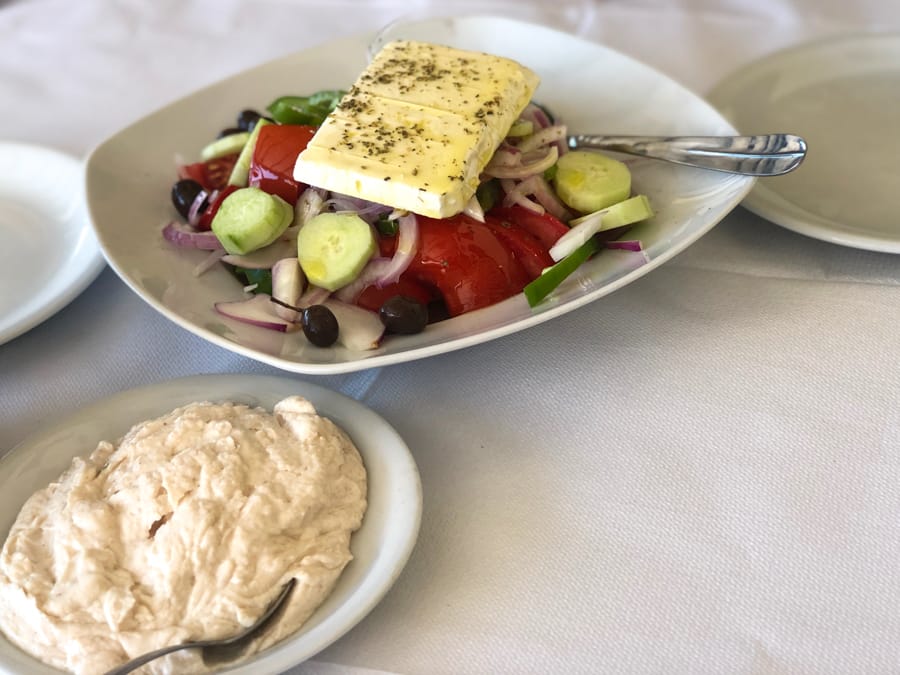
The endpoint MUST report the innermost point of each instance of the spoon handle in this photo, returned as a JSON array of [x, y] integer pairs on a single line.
[[767, 155], [266, 616]]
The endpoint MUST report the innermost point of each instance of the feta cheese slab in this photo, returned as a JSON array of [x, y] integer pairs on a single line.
[[417, 128]]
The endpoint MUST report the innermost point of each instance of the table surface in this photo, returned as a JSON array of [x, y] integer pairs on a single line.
[[697, 473]]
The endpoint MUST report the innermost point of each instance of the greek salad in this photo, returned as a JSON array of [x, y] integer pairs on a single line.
[[347, 271]]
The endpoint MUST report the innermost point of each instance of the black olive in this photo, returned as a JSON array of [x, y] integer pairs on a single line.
[[184, 192], [248, 119], [319, 325], [230, 131], [405, 315]]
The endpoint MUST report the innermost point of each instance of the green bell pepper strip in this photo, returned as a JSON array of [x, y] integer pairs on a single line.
[[310, 110], [541, 287]]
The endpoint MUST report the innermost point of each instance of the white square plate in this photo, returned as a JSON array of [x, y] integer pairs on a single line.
[[591, 88]]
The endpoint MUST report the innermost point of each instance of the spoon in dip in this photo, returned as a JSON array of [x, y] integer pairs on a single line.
[[136, 663]]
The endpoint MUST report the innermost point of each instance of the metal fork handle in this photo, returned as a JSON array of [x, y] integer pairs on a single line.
[[764, 155]]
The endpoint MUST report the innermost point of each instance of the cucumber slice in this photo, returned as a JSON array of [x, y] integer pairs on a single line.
[[589, 181], [521, 128], [333, 248], [249, 219], [227, 145], [623, 213], [240, 174]]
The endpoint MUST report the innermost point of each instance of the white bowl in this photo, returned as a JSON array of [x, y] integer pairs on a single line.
[[380, 547], [590, 87]]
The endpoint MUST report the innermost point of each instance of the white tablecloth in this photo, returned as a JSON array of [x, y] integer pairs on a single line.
[[697, 473]]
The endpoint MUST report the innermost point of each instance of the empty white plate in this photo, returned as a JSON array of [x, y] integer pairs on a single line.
[[842, 95], [49, 253]]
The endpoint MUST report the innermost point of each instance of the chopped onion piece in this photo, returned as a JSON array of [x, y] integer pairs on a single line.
[[369, 274], [257, 311], [527, 168], [184, 236], [310, 204], [194, 211], [263, 258], [313, 295], [407, 245], [208, 262], [576, 237], [473, 209], [287, 286], [368, 211], [507, 155], [360, 329], [539, 139], [515, 194]]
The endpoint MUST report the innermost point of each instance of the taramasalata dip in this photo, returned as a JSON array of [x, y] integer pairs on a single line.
[[186, 529]]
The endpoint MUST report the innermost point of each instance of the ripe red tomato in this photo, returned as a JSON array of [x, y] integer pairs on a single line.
[[466, 262], [274, 156], [544, 227], [526, 248], [372, 298], [212, 174]]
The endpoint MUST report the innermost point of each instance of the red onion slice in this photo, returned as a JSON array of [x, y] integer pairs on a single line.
[[516, 194], [528, 167], [257, 311], [310, 204], [372, 272], [626, 245], [540, 189], [368, 211], [194, 211], [539, 139], [184, 236], [407, 245]]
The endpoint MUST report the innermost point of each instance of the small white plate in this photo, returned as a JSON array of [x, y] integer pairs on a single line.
[[380, 547], [843, 96], [592, 88], [49, 253]]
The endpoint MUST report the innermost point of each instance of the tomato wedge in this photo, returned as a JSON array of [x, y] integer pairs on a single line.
[[525, 247], [372, 298], [544, 227], [466, 262], [274, 156], [212, 174]]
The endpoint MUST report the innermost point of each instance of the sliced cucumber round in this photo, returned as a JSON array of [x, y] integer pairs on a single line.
[[590, 181], [250, 219], [334, 247]]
